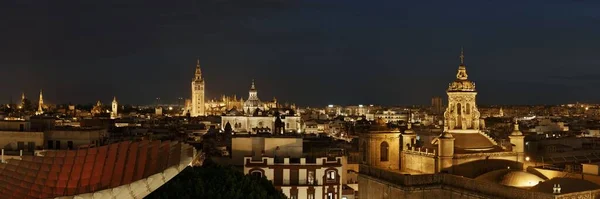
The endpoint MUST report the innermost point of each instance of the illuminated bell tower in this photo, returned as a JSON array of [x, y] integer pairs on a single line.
[[198, 106], [115, 107], [40, 105], [462, 112]]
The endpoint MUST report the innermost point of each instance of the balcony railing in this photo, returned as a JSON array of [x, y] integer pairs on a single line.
[[299, 183]]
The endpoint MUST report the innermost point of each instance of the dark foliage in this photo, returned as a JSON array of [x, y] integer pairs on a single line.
[[214, 181]]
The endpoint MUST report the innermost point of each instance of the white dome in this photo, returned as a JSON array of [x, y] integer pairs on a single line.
[[511, 178]]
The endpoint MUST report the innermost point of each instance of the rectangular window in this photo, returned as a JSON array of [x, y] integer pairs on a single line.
[[31, 146], [311, 196], [21, 145], [70, 145], [57, 144], [329, 195], [50, 144]]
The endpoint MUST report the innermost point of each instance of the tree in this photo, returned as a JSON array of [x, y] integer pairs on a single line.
[[228, 128], [214, 181]]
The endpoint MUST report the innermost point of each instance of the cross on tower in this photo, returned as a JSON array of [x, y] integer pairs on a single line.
[[462, 56]]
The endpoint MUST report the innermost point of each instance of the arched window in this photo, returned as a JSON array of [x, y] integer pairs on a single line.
[[458, 109], [256, 173], [384, 149], [331, 175], [468, 108]]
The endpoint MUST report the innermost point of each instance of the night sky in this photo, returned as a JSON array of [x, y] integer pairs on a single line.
[[312, 52]]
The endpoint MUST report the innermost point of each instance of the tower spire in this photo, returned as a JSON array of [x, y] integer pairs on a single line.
[[253, 87], [462, 69], [198, 74], [41, 104], [462, 56]]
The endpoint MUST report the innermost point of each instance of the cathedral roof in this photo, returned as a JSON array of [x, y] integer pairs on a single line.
[[234, 112], [472, 141], [567, 185], [511, 178]]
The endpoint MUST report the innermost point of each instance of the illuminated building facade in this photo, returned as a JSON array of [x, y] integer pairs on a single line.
[[220, 106], [40, 105], [115, 106], [198, 106]]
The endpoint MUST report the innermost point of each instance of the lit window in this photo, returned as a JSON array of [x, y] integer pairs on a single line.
[[331, 175], [329, 195]]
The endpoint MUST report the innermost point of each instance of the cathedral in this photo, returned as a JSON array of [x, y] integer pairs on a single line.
[[462, 148], [220, 106], [198, 106], [258, 117], [461, 162]]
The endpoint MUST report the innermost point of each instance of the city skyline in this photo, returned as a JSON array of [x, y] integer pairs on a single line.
[[309, 52]]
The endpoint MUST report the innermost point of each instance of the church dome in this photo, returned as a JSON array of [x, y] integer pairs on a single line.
[[254, 103], [462, 85], [473, 141], [511, 178]]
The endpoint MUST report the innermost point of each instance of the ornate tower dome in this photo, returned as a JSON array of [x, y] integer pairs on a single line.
[[462, 83], [253, 103], [462, 112]]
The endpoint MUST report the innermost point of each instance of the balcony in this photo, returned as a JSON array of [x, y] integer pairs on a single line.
[[298, 183]]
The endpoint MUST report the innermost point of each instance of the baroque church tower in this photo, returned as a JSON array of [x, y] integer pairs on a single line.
[[198, 106], [115, 107], [462, 112]]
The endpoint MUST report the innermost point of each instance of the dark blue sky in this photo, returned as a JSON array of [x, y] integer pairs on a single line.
[[313, 52]]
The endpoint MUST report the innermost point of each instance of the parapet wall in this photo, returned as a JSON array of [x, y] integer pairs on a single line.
[[439, 185], [418, 162]]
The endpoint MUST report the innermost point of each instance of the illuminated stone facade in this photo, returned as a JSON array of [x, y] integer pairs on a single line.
[[97, 109], [115, 106], [253, 103], [462, 162], [462, 110], [318, 178], [40, 105], [198, 106], [220, 106]]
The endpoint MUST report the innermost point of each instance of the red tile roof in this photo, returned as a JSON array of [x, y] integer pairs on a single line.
[[68, 173]]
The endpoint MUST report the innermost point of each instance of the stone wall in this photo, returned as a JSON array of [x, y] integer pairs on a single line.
[[10, 140], [78, 137], [381, 184], [423, 163]]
